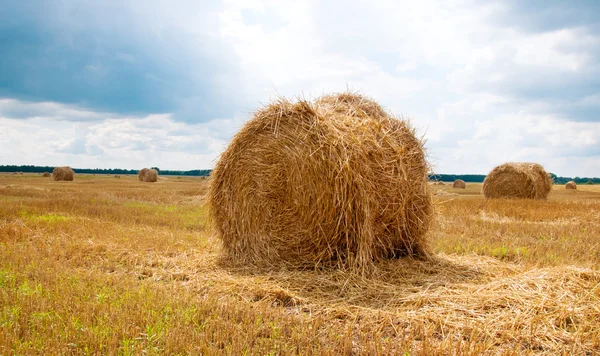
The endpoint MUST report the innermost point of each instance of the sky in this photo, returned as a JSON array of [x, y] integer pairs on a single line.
[[132, 84]]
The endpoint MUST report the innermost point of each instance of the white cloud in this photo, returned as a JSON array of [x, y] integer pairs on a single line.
[[124, 142], [49, 110], [483, 90], [563, 147]]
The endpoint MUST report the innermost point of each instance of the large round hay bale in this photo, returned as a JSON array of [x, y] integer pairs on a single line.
[[63, 173], [141, 174], [151, 175], [571, 185], [517, 180], [46, 174], [335, 181], [459, 183]]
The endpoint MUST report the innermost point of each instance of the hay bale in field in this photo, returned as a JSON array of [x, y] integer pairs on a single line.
[[141, 174], [46, 174], [63, 173], [150, 175], [517, 180], [459, 183], [571, 185], [117, 176], [335, 181], [440, 183]]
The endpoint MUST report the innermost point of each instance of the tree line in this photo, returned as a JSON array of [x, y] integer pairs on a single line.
[[42, 169], [478, 178], [472, 178]]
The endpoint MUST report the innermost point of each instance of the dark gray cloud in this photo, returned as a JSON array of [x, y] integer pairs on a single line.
[[106, 56]]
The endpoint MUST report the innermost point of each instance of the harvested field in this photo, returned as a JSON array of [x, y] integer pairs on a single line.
[[105, 266]]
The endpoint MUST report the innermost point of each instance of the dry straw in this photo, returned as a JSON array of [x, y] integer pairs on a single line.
[[46, 174], [459, 183], [571, 185], [336, 181], [151, 175], [63, 173], [517, 180], [141, 174], [148, 175]]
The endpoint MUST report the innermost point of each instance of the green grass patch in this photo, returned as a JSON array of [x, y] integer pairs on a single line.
[[46, 218]]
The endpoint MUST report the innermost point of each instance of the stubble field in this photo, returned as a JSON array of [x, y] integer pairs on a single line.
[[106, 265]]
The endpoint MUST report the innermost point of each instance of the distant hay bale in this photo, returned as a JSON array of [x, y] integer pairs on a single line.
[[63, 173], [517, 180], [571, 185], [459, 183], [440, 183], [148, 175], [336, 181], [141, 174], [46, 174], [117, 176]]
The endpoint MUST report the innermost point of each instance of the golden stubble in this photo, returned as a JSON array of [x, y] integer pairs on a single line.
[[117, 266]]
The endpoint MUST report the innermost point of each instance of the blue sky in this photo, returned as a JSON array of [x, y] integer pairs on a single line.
[[131, 84]]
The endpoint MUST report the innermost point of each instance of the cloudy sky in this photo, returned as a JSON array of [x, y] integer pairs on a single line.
[[126, 84]]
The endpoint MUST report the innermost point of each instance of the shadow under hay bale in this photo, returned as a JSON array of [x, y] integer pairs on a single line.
[[334, 182], [379, 290], [517, 180], [459, 183], [571, 185]]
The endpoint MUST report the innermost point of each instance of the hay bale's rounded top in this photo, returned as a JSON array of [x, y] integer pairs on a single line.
[[65, 173], [571, 185], [517, 180], [459, 183], [334, 181]]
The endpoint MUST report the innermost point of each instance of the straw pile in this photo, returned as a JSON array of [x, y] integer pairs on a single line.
[[46, 174], [517, 180], [141, 174], [334, 182], [148, 175], [63, 173], [459, 183], [571, 185]]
